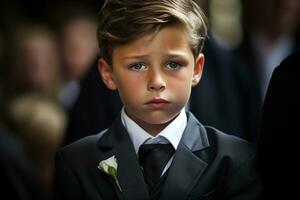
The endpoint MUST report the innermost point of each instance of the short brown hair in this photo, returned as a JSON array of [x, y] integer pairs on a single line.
[[122, 21]]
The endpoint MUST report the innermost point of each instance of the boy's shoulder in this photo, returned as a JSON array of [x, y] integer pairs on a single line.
[[219, 144], [226, 148], [217, 136], [82, 146], [224, 144], [229, 144]]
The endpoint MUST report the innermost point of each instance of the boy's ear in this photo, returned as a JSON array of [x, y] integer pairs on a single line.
[[198, 69], [106, 74]]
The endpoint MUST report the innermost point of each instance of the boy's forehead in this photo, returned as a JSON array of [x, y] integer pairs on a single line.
[[169, 40], [169, 32]]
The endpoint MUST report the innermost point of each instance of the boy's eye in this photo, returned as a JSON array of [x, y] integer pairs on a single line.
[[173, 65], [138, 66]]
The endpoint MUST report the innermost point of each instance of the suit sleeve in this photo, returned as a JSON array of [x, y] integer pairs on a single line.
[[67, 185], [245, 183]]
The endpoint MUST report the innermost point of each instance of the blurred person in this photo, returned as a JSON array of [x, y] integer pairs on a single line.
[[79, 46], [39, 124], [95, 108], [18, 175], [35, 62], [84, 95], [225, 21], [79, 49], [271, 36], [278, 144], [226, 97]]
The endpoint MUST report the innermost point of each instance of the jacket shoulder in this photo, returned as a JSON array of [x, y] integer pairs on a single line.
[[81, 148], [230, 146]]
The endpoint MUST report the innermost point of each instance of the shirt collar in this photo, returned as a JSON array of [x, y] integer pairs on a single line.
[[171, 134]]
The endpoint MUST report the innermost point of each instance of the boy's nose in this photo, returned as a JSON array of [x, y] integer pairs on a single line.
[[156, 82]]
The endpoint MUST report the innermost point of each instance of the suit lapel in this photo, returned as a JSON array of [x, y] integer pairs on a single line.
[[186, 167], [117, 142]]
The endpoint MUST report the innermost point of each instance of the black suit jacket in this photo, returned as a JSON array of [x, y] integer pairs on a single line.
[[207, 164], [278, 145]]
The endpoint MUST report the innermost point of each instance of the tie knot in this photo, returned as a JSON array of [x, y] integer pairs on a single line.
[[146, 150], [153, 159]]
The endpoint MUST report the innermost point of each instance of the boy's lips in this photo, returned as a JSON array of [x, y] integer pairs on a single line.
[[157, 103]]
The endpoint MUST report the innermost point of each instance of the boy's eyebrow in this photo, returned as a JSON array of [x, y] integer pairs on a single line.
[[136, 56], [176, 54], [173, 54]]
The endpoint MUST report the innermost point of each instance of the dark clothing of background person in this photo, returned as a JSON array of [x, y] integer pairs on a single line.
[[95, 108], [228, 97], [18, 178], [278, 146]]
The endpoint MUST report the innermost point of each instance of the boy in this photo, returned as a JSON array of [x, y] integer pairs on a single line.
[[151, 53]]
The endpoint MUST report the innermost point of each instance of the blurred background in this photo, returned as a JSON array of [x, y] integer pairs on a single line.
[[51, 93]]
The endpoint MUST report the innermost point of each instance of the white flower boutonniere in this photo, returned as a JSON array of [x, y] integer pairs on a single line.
[[110, 166]]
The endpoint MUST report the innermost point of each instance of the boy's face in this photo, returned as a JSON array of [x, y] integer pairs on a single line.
[[154, 75]]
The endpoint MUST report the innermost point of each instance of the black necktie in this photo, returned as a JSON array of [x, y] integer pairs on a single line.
[[153, 159]]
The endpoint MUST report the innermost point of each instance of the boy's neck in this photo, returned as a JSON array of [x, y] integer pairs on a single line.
[[152, 129]]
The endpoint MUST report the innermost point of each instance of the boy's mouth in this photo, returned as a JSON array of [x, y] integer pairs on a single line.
[[157, 103]]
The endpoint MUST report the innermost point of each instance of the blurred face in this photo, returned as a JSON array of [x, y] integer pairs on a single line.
[[289, 14], [154, 76], [279, 16], [38, 63], [79, 46]]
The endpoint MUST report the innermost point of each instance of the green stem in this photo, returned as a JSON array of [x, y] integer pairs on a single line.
[[118, 184]]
